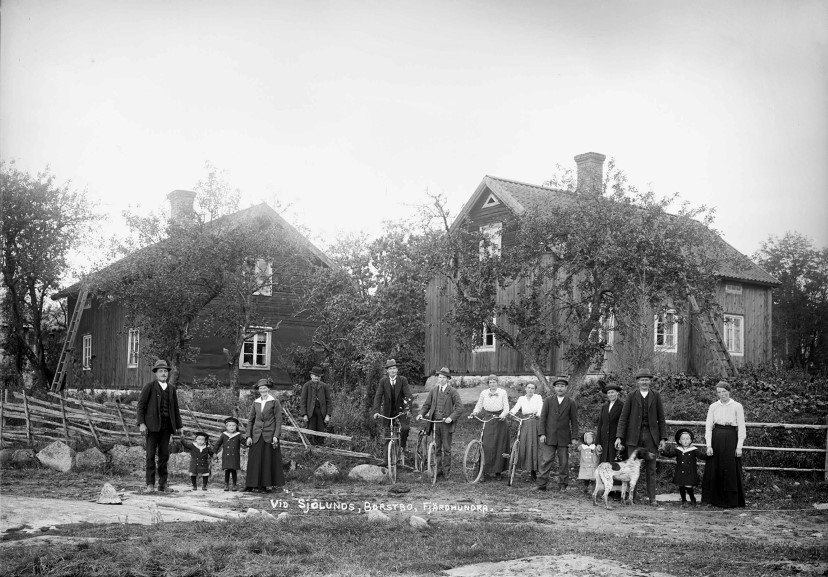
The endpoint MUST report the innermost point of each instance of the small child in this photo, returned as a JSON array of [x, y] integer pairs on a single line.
[[589, 459], [230, 443], [200, 455], [687, 474]]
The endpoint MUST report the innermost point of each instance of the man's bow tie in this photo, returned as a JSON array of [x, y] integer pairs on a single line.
[[493, 394]]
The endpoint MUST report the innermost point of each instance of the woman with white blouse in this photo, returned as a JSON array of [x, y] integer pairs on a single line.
[[494, 402], [725, 432], [529, 405]]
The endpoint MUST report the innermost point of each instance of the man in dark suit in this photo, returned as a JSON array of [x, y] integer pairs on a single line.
[[642, 426], [316, 405], [443, 404], [558, 425], [608, 424], [158, 418], [392, 398]]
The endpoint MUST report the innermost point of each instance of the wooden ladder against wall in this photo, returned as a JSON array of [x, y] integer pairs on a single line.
[[713, 340], [68, 343]]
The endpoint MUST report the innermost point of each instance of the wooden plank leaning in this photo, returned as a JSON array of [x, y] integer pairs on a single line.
[[65, 424], [295, 424], [123, 423], [91, 426], [28, 421]]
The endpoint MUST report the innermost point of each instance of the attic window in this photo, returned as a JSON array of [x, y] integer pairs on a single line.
[[491, 201]]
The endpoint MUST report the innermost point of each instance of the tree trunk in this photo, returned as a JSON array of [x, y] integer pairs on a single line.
[[576, 380], [542, 380]]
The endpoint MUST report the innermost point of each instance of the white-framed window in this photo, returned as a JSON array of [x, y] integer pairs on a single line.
[[666, 332], [255, 353], [606, 331], [87, 304], [86, 352], [733, 288], [133, 348], [734, 334], [491, 201], [489, 340], [263, 273], [493, 232]]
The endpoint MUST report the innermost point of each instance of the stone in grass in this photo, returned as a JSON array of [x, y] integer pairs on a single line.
[[251, 512], [6, 456], [369, 473], [131, 459], [418, 523], [179, 464], [375, 516], [283, 516], [58, 456], [24, 458], [821, 506], [327, 471], [109, 496], [90, 460]]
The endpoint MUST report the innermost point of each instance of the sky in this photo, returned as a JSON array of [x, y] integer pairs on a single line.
[[350, 111]]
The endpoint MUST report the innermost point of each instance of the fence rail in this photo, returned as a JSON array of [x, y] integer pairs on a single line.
[[62, 417]]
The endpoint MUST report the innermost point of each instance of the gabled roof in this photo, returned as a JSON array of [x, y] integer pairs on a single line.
[[241, 218], [520, 196]]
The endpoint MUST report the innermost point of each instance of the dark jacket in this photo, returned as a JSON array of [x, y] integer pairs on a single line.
[[606, 429], [149, 407], [265, 421], [230, 450], [629, 423], [310, 393], [390, 403], [451, 406], [687, 473], [199, 460], [559, 422]]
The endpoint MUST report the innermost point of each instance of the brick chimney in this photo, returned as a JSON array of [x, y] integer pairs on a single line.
[[181, 206], [590, 172]]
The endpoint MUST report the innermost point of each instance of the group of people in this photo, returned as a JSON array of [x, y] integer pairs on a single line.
[[548, 432]]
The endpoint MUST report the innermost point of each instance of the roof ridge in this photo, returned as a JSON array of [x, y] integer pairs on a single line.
[[540, 186]]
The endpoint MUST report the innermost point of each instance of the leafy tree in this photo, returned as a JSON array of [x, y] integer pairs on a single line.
[[41, 223], [573, 265], [800, 304]]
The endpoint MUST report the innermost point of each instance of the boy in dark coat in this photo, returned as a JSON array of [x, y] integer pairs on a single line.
[[200, 456], [229, 442], [687, 473]]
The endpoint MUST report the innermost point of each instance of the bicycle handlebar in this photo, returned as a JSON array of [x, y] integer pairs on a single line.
[[430, 421], [483, 420], [392, 418], [522, 418]]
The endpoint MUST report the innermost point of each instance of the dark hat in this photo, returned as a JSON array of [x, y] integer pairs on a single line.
[[231, 420], [390, 363], [680, 432], [444, 371], [261, 382], [612, 387], [160, 364], [202, 434], [641, 373], [316, 370], [560, 380]]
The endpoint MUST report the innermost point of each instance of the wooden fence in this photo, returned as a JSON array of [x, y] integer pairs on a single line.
[[61, 418]]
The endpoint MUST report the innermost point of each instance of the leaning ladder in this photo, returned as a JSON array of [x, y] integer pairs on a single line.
[[713, 341], [68, 343]]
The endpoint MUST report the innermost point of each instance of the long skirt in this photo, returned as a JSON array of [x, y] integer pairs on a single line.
[[495, 443], [264, 465], [528, 454], [723, 485]]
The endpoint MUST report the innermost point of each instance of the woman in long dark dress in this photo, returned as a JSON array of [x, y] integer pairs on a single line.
[[529, 405], [264, 462], [494, 403], [723, 484]]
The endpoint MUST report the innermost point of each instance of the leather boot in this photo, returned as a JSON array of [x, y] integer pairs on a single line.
[[227, 486]]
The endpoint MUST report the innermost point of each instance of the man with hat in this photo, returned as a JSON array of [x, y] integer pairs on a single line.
[[442, 404], [316, 405], [642, 426], [557, 426], [608, 424], [392, 398], [158, 418]]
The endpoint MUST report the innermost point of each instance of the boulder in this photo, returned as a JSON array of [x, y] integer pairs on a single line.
[[58, 456], [327, 471], [268, 516], [251, 512], [375, 516], [6, 456], [132, 459], [90, 460], [283, 516], [109, 496], [369, 473], [418, 523], [24, 458]]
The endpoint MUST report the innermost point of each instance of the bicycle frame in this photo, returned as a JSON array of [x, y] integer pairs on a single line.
[[430, 452], [513, 455], [474, 459], [394, 451]]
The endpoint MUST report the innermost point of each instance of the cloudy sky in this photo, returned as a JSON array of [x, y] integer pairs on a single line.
[[352, 110]]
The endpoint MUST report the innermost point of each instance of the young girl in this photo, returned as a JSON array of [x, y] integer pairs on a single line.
[[200, 455], [230, 442], [687, 475], [589, 459]]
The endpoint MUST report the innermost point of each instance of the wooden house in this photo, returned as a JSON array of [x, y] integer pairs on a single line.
[[744, 294], [107, 350]]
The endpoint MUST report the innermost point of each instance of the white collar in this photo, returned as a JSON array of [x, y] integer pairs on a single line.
[[163, 385], [592, 446], [687, 450], [644, 393], [265, 400], [201, 449], [560, 399], [229, 436]]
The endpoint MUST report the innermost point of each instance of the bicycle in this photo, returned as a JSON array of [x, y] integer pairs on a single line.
[[395, 456], [426, 453], [474, 460], [513, 456]]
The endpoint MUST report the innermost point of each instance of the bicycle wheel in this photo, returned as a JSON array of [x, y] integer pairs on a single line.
[[392, 461], [432, 462], [473, 461], [421, 454], [513, 459]]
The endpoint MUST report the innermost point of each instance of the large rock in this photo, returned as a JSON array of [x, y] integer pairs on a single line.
[[418, 523], [6, 456], [132, 459], [327, 471], [109, 496], [90, 460], [58, 456], [24, 458], [375, 516], [369, 473]]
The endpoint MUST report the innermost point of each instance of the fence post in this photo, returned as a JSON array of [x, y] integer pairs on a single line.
[[89, 422], [2, 407], [28, 420], [63, 412], [826, 448], [123, 423]]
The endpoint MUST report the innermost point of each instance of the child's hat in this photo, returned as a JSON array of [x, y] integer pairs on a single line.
[[231, 420], [680, 432], [588, 432], [202, 434]]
